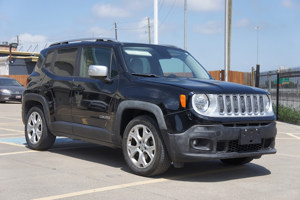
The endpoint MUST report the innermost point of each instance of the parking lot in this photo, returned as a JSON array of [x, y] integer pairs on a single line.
[[79, 170]]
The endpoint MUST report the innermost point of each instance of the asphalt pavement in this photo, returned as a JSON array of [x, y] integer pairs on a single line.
[[74, 169]]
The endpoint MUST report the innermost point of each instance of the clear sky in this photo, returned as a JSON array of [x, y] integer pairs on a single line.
[[41, 22]]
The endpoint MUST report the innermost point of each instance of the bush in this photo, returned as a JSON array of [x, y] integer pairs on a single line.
[[288, 114]]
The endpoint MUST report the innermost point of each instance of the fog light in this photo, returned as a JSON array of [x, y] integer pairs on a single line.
[[202, 144]]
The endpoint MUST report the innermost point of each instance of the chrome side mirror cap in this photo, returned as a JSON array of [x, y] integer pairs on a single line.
[[97, 70]]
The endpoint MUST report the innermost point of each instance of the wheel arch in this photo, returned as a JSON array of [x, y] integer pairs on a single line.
[[129, 109], [31, 100]]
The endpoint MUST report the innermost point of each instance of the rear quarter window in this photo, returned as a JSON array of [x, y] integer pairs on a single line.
[[65, 61]]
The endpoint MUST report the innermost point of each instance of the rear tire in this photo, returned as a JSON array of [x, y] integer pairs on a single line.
[[143, 148], [37, 135], [237, 161]]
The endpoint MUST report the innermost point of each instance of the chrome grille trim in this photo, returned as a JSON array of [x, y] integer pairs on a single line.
[[241, 104]]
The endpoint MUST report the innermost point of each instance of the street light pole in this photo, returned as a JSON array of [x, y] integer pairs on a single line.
[[185, 8], [155, 23], [228, 5], [257, 74], [257, 28]]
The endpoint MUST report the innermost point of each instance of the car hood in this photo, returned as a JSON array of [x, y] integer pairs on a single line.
[[208, 86], [19, 89]]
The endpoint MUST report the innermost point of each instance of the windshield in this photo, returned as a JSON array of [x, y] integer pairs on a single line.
[[162, 61], [9, 82]]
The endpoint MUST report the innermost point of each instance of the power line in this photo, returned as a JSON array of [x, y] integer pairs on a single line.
[[167, 15]]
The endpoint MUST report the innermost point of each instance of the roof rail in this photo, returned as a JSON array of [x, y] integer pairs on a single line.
[[84, 40], [170, 45]]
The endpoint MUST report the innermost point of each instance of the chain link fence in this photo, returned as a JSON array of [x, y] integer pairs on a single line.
[[284, 86]]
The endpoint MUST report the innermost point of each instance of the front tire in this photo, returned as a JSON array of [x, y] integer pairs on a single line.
[[37, 135], [143, 148]]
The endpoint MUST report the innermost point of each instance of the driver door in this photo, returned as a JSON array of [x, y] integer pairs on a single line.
[[94, 97]]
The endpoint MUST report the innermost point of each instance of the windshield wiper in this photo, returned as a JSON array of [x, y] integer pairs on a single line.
[[145, 75]]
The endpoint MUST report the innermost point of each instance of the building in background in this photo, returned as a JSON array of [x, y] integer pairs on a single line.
[[14, 62]]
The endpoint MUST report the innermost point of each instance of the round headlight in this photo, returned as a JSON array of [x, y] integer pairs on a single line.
[[200, 102], [267, 102]]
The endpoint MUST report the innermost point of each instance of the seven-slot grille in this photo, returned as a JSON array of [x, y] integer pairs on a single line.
[[236, 104]]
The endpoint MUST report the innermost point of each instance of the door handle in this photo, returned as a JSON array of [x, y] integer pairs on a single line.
[[79, 88]]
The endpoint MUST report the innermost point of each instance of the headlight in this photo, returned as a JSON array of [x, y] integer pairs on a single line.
[[5, 91], [268, 102], [200, 102]]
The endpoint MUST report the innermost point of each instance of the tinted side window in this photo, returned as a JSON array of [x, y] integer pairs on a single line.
[[97, 56], [49, 59], [40, 60], [65, 62]]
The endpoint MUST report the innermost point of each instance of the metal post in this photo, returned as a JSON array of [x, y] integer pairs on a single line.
[[252, 77], [149, 30], [10, 46], [277, 96], [228, 4], [155, 21], [257, 75], [116, 31], [257, 42], [185, 8]]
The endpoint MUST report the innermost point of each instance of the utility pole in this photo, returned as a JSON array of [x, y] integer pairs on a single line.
[[18, 40], [257, 28], [185, 8], [228, 6], [229, 33], [149, 30], [257, 73], [116, 31], [155, 21]]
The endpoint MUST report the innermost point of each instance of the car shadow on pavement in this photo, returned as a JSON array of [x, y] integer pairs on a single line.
[[214, 171], [205, 171], [92, 153]]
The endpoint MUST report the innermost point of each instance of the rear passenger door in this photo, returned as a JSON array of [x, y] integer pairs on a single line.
[[59, 81], [95, 97]]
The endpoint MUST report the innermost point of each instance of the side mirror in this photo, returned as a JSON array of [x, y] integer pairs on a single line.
[[97, 70]]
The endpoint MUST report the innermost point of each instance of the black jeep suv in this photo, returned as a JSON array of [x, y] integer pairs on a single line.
[[155, 102]]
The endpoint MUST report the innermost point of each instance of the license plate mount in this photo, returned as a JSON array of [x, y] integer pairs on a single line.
[[250, 136]]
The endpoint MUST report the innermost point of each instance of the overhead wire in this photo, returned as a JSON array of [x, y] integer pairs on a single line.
[[167, 15]]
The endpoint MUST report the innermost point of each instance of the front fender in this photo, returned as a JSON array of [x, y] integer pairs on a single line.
[[138, 105]]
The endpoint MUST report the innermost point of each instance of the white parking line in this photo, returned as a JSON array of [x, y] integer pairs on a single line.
[[18, 152], [292, 135], [12, 130], [139, 183], [10, 134], [10, 118], [11, 124], [13, 144]]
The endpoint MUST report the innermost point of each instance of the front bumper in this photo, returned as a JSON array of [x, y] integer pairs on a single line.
[[207, 142], [11, 97]]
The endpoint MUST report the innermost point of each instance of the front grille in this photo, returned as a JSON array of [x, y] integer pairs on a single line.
[[236, 104], [234, 146]]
